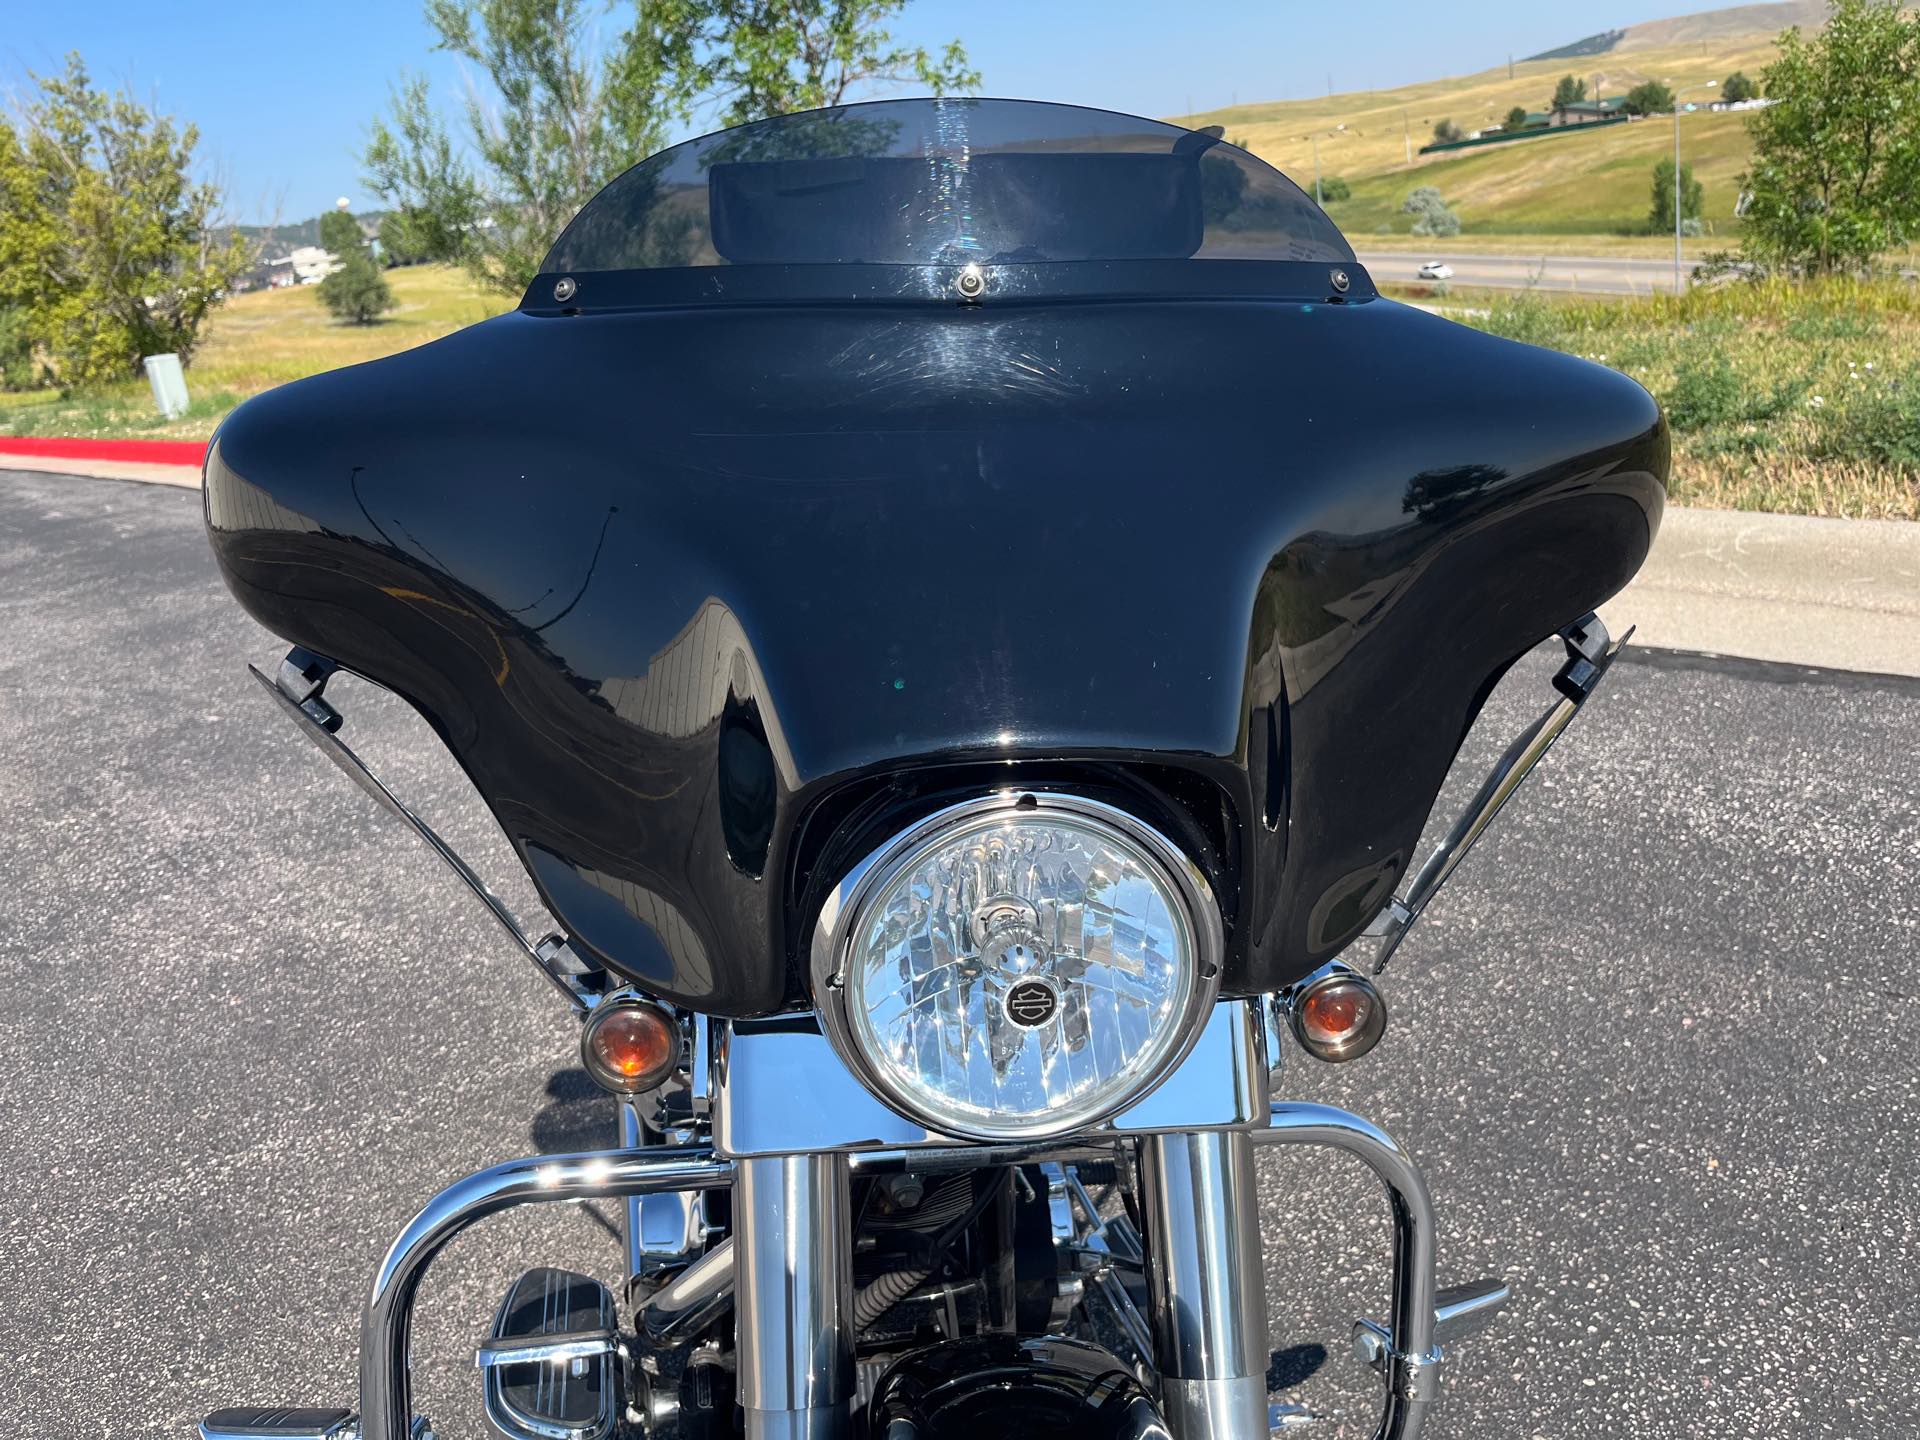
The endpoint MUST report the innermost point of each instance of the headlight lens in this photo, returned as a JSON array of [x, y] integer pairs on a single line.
[[1018, 967]]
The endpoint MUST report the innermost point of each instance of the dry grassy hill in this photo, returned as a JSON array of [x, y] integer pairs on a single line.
[[1709, 27], [1597, 183]]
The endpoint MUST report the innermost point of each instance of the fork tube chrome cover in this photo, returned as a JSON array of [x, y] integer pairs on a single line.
[[793, 1228], [1206, 1282]]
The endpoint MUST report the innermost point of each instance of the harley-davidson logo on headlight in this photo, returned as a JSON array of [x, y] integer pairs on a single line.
[[1031, 1003]]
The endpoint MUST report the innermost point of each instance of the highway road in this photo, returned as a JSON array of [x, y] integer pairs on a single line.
[[1654, 1045], [1589, 274]]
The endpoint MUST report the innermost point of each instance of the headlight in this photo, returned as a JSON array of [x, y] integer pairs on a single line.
[[1018, 966]]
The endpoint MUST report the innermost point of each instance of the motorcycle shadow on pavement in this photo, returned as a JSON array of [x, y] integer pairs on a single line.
[[577, 1115]]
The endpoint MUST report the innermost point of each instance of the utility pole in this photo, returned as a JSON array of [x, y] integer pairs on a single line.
[[1676, 193], [1316, 171], [1407, 126], [1676, 179]]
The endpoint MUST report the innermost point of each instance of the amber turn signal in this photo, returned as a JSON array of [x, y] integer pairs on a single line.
[[630, 1045], [1337, 1015]]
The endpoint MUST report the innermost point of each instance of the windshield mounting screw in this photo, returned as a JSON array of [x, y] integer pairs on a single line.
[[1342, 281], [971, 283], [564, 288]]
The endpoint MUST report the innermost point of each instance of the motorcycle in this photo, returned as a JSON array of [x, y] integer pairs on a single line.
[[963, 609]]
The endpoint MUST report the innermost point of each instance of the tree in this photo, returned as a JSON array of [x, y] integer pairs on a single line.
[[1692, 198], [16, 350], [1836, 175], [1737, 87], [1430, 212], [1446, 132], [340, 233], [109, 248], [564, 115], [413, 164], [757, 58], [561, 112], [1649, 97], [1333, 189], [1570, 91], [403, 239], [356, 291], [1516, 119]]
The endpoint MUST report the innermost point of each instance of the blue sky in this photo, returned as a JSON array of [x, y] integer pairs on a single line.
[[283, 93]]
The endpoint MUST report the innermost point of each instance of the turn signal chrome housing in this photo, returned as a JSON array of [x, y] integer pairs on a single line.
[[1336, 1014], [630, 1045]]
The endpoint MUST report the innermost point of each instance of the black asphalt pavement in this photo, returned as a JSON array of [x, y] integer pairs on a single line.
[[1655, 1047]]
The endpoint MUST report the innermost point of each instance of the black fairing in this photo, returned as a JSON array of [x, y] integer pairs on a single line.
[[1012, 1388], [709, 598]]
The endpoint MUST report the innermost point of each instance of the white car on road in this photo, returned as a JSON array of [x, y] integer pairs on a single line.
[[1436, 270]]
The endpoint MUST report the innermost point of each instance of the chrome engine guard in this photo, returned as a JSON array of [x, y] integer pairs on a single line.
[[1404, 1351]]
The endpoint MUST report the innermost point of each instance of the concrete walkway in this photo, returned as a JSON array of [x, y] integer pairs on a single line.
[[151, 474], [1837, 594], [1841, 594]]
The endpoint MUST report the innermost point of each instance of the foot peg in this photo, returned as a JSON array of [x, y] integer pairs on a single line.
[[551, 1365], [290, 1422], [1285, 1417], [1458, 1312]]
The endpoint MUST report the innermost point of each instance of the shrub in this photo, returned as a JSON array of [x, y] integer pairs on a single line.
[[1692, 198], [1710, 391], [1526, 318], [355, 292], [1446, 132], [1879, 424], [1649, 97], [1430, 212], [1334, 189]]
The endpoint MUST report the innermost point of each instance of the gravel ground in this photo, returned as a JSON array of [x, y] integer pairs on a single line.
[[1653, 1047]]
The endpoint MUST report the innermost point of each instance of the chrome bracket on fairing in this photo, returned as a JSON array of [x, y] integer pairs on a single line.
[[780, 1088], [297, 687], [1589, 655]]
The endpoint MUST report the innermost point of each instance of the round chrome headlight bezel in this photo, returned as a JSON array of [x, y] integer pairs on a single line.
[[838, 930]]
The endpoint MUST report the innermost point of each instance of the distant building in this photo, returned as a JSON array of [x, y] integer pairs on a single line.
[[1586, 112], [1536, 120], [311, 264], [267, 274]]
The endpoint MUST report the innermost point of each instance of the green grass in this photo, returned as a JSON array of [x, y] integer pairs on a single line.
[[1796, 398], [1595, 184], [255, 342]]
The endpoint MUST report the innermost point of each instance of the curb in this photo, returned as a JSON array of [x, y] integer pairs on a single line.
[[1835, 594], [139, 452], [187, 477]]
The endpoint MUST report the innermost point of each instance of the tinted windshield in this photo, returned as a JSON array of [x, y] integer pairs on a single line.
[[946, 182]]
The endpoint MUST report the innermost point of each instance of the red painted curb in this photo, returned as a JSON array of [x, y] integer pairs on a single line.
[[151, 452]]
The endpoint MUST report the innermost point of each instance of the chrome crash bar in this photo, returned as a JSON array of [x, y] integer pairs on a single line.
[[1590, 654], [1406, 1351]]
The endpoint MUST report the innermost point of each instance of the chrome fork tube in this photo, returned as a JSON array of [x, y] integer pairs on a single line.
[[793, 1249], [1205, 1278], [631, 1136]]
